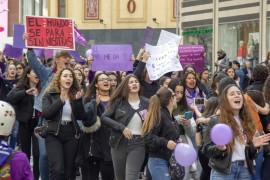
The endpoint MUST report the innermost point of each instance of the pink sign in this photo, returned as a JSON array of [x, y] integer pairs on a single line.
[[4, 18]]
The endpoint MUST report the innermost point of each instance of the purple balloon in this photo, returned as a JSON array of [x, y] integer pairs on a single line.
[[221, 134], [185, 155], [88, 53]]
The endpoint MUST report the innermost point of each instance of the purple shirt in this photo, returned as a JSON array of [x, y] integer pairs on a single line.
[[20, 167]]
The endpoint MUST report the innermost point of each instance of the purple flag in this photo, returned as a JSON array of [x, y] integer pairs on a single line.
[[18, 30], [193, 55], [40, 53], [11, 51], [79, 38], [115, 57], [147, 38], [77, 57], [48, 53]]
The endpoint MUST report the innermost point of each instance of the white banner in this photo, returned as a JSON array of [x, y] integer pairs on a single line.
[[163, 59], [166, 36]]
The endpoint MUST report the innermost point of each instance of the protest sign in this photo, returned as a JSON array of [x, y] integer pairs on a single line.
[[49, 33], [79, 38], [115, 57], [147, 37], [163, 59], [18, 30], [166, 36], [11, 51], [193, 55]]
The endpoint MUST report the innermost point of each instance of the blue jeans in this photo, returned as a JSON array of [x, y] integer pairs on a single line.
[[159, 169], [238, 172], [43, 160], [14, 133], [258, 167]]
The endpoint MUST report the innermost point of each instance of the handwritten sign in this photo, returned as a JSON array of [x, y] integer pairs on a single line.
[[50, 33], [112, 57], [193, 55], [147, 38], [166, 36], [163, 59]]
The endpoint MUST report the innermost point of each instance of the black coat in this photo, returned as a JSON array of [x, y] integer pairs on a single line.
[[221, 160], [118, 117], [23, 104], [95, 137], [52, 107], [157, 139]]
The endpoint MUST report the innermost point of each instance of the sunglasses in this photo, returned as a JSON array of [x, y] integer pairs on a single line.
[[104, 79]]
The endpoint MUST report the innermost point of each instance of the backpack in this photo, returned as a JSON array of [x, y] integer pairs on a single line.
[[5, 169]]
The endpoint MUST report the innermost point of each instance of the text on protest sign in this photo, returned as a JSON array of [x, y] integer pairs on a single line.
[[50, 33], [193, 55], [163, 59], [112, 57], [166, 36]]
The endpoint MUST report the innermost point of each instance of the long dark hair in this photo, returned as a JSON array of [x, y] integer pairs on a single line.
[[122, 91], [153, 117], [182, 104], [210, 107], [24, 80], [184, 82], [91, 89]]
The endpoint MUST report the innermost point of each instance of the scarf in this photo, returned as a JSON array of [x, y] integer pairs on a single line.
[[5, 150]]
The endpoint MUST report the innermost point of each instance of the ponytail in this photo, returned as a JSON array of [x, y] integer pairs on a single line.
[[153, 115]]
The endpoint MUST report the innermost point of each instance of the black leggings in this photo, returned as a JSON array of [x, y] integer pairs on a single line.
[[206, 170], [265, 173], [92, 166]]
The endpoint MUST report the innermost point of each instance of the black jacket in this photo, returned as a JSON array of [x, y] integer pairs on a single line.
[[95, 137], [52, 107], [256, 85], [118, 117], [148, 90], [157, 139], [23, 104], [5, 87], [221, 160]]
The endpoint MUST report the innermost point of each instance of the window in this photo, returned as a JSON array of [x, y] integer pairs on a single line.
[[61, 8]]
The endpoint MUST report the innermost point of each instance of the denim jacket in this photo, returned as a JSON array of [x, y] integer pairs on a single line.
[[44, 74]]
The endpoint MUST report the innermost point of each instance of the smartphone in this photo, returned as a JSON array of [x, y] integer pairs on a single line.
[[188, 115], [198, 101]]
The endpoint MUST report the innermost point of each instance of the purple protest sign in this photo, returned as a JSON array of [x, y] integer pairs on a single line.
[[77, 56], [11, 51], [115, 57], [79, 38], [18, 30], [48, 53], [193, 55], [147, 38]]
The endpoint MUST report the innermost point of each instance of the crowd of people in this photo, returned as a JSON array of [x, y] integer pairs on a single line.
[[123, 126]]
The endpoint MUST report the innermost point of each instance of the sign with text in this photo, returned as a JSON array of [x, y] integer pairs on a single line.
[[166, 36], [163, 59], [50, 33], [147, 38], [193, 55], [115, 57]]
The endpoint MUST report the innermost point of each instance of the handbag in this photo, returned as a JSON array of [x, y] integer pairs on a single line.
[[176, 170], [42, 129]]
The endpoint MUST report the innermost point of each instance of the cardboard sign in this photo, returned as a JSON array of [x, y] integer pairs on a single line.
[[112, 57], [163, 59], [50, 33], [166, 36], [11, 51], [193, 55]]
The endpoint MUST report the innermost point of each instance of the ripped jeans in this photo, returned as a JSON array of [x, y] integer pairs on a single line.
[[159, 169]]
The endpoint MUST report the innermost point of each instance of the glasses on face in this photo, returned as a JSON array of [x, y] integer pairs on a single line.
[[18, 68], [104, 79]]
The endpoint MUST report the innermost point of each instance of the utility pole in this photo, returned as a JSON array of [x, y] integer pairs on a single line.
[[177, 15]]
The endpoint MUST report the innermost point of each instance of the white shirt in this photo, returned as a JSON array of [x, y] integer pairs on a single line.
[[66, 114], [135, 124]]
